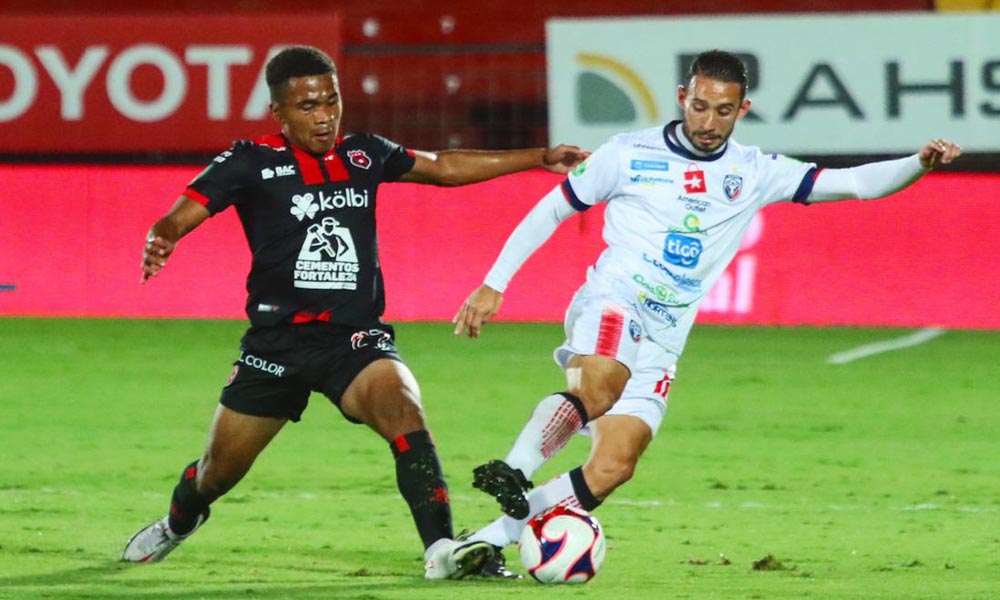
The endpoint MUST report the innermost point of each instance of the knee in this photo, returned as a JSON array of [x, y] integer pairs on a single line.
[[598, 399], [398, 416]]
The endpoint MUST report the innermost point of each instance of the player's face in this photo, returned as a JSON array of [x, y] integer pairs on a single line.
[[309, 111], [711, 109]]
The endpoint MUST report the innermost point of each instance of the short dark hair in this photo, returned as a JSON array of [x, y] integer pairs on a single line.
[[296, 61], [721, 66]]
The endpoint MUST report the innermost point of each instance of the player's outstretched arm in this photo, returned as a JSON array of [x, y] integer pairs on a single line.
[[879, 179], [162, 238], [481, 305], [461, 167]]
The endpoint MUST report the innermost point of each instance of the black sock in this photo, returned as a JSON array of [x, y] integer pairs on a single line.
[[587, 500], [421, 482], [186, 504]]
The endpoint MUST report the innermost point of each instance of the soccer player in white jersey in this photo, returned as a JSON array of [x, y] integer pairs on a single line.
[[679, 199]]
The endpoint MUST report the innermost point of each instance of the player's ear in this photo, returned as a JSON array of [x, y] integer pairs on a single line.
[[744, 108], [275, 109], [681, 96]]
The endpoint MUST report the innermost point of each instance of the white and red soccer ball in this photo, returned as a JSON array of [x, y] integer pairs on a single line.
[[562, 545]]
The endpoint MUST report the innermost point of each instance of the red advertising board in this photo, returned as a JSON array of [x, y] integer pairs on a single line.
[[152, 83], [71, 239]]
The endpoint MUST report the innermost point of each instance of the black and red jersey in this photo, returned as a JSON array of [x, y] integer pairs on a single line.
[[310, 224]]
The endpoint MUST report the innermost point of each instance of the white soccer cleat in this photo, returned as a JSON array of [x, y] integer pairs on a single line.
[[454, 559], [155, 541]]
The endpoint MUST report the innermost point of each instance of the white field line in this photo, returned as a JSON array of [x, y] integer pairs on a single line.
[[914, 339]]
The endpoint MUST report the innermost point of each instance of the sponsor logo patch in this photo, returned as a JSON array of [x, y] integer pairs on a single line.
[[682, 250], [279, 171], [649, 165], [307, 205], [255, 362], [682, 281], [327, 259], [694, 180], [646, 179], [660, 310]]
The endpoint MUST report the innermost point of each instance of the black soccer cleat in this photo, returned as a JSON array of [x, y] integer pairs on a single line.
[[495, 567], [508, 485]]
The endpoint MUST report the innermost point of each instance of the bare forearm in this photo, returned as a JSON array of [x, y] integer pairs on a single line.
[[184, 216], [461, 167]]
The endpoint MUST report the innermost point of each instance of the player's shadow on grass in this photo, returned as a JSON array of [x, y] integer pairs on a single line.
[[81, 575], [98, 581]]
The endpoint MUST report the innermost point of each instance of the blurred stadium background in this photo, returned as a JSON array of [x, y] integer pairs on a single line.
[[115, 105]]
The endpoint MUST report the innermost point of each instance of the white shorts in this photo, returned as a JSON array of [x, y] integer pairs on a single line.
[[608, 326]]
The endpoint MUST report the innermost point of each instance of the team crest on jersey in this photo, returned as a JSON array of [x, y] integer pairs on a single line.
[[694, 180], [359, 159], [634, 330], [732, 185]]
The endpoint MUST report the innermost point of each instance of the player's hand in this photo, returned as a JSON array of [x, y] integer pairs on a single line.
[[479, 307], [154, 255], [939, 152], [563, 158]]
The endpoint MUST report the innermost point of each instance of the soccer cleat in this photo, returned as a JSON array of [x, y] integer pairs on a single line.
[[155, 541], [495, 567], [505, 483], [455, 559]]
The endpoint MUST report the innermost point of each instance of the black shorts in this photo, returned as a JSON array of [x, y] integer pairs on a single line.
[[279, 367]]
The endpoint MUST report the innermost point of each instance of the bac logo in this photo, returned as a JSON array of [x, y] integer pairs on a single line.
[[279, 171], [694, 180], [359, 159], [681, 250]]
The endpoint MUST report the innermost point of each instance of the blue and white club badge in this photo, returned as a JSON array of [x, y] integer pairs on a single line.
[[733, 185]]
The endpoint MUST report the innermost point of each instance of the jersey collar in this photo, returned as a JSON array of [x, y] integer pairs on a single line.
[[302, 151], [673, 137]]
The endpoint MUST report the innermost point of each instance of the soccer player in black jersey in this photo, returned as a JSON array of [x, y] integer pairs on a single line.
[[306, 199]]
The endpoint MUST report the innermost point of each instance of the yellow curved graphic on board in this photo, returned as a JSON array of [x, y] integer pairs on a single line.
[[598, 62]]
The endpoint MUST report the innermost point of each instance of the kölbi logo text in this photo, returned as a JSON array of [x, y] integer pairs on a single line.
[[306, 205]]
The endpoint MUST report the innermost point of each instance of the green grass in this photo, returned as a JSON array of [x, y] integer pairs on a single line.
[[876, 479]]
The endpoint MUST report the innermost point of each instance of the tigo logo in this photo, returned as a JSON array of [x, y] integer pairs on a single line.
[[681, 250]]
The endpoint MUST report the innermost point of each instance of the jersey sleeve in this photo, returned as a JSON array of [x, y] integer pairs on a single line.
[[396, 160], [597, 179], [782, 178], [222, 183]]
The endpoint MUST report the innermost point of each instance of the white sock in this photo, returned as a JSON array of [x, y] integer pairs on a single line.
[[507, 530], [552, 424]]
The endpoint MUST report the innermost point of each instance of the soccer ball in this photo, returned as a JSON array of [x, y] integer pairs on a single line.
[[562, 545]]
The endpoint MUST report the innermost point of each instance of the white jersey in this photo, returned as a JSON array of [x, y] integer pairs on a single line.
[[674, 220]]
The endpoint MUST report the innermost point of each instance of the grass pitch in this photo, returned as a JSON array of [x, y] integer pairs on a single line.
[[775, 475]]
